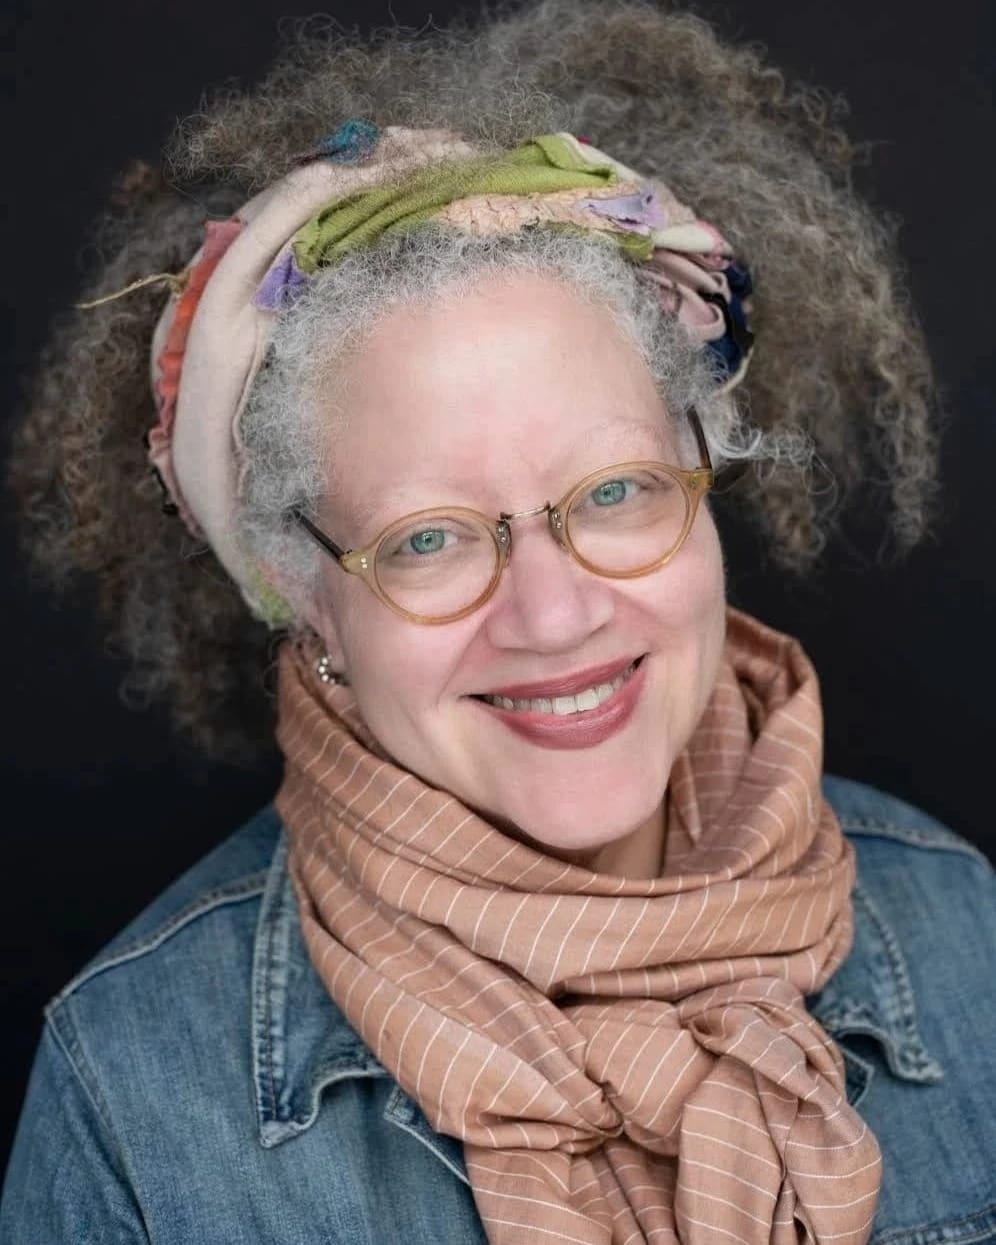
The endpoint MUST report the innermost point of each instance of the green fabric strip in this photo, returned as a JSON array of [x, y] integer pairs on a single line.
[[542, 166]]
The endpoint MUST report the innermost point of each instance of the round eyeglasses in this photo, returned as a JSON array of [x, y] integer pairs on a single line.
[[439, 565]]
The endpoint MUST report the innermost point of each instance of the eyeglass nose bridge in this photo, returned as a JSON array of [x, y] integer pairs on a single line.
[[554, 517]]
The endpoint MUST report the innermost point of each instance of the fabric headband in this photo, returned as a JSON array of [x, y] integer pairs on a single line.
[[360, 184]]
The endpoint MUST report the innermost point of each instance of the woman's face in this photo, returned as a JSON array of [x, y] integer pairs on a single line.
[[500, 401]]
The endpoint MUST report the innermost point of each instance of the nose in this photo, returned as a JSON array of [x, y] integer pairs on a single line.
[[546, 601]]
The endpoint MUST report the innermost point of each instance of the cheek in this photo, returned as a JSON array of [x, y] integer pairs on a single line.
[[690, 593], [396, 668], [707, 594], [690, 616]]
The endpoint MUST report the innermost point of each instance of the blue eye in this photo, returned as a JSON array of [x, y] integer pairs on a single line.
[[610, 492], [429, 540]]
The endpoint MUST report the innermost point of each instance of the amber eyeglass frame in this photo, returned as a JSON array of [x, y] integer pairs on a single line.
[[695, 482]]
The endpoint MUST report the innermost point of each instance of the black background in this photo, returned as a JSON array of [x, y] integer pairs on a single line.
[[104, 807]]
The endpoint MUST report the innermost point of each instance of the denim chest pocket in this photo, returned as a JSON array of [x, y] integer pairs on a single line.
[[865, 1055], [868, 1007], [858, 1073]]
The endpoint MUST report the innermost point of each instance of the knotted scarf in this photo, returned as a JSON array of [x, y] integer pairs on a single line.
[[625, 1060]]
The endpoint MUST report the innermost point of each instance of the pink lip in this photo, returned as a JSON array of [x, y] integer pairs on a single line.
[[575, 730], [566, 685]]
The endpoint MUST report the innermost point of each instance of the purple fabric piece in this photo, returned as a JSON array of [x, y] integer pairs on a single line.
[[281, 285], [637, 213]]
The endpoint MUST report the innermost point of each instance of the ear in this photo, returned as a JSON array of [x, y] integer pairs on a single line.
[[321, 619], [309, 609]]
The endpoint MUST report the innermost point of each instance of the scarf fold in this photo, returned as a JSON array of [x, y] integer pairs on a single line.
[[625, 1060]]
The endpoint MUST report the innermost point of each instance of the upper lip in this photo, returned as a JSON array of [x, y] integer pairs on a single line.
[[566, 684]]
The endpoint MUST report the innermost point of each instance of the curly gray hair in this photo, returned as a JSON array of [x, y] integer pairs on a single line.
[[840, 361]]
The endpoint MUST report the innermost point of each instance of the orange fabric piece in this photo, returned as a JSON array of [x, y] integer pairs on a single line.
[[625, 1060], [218, 237]]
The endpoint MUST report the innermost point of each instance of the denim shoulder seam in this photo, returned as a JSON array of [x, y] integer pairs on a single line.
[[64, 1034], [926, 839], [238, 891]]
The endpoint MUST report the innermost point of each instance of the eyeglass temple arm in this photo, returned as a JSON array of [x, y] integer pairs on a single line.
[[730, 473], [704, 458], [318, 535]]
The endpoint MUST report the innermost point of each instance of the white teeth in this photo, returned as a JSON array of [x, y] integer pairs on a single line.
[[563, 706]]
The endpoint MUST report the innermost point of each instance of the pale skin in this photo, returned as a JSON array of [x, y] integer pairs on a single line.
[[500, 401]]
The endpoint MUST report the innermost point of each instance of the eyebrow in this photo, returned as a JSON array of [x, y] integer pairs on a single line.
[[397, 501], [625, 434]]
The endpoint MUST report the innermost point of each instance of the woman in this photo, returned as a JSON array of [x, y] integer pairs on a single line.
[[552, 932]]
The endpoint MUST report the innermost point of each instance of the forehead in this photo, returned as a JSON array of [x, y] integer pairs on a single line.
[[517, 380]]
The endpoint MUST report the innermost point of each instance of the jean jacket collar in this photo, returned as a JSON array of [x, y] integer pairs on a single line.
[[302, 1043]]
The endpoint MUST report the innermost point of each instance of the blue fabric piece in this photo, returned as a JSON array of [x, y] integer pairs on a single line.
[[730, 350], [353, 140], [195, 1082], [738, 278], [726, 354]]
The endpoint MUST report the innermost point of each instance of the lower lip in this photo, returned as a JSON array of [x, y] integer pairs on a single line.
[[575, 730]]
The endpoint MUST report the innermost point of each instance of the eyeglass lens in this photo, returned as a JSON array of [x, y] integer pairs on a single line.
[[443, 561]]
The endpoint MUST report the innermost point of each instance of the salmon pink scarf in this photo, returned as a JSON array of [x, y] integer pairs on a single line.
[[624, 1059]]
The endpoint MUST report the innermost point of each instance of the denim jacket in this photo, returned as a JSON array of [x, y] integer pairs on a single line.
[[195, 1084]]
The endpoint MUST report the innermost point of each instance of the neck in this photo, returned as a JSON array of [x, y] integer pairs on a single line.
[[639, 854]]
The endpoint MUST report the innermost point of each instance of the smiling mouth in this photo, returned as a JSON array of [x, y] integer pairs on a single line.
[[585, 701]]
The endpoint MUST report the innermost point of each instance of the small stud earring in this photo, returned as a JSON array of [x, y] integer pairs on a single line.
[[323, 668]]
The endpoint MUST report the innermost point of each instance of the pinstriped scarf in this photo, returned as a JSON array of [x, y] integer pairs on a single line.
[[625, 1060]]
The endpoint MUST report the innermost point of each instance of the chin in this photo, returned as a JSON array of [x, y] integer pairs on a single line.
[[575, 800], [565, 816]]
